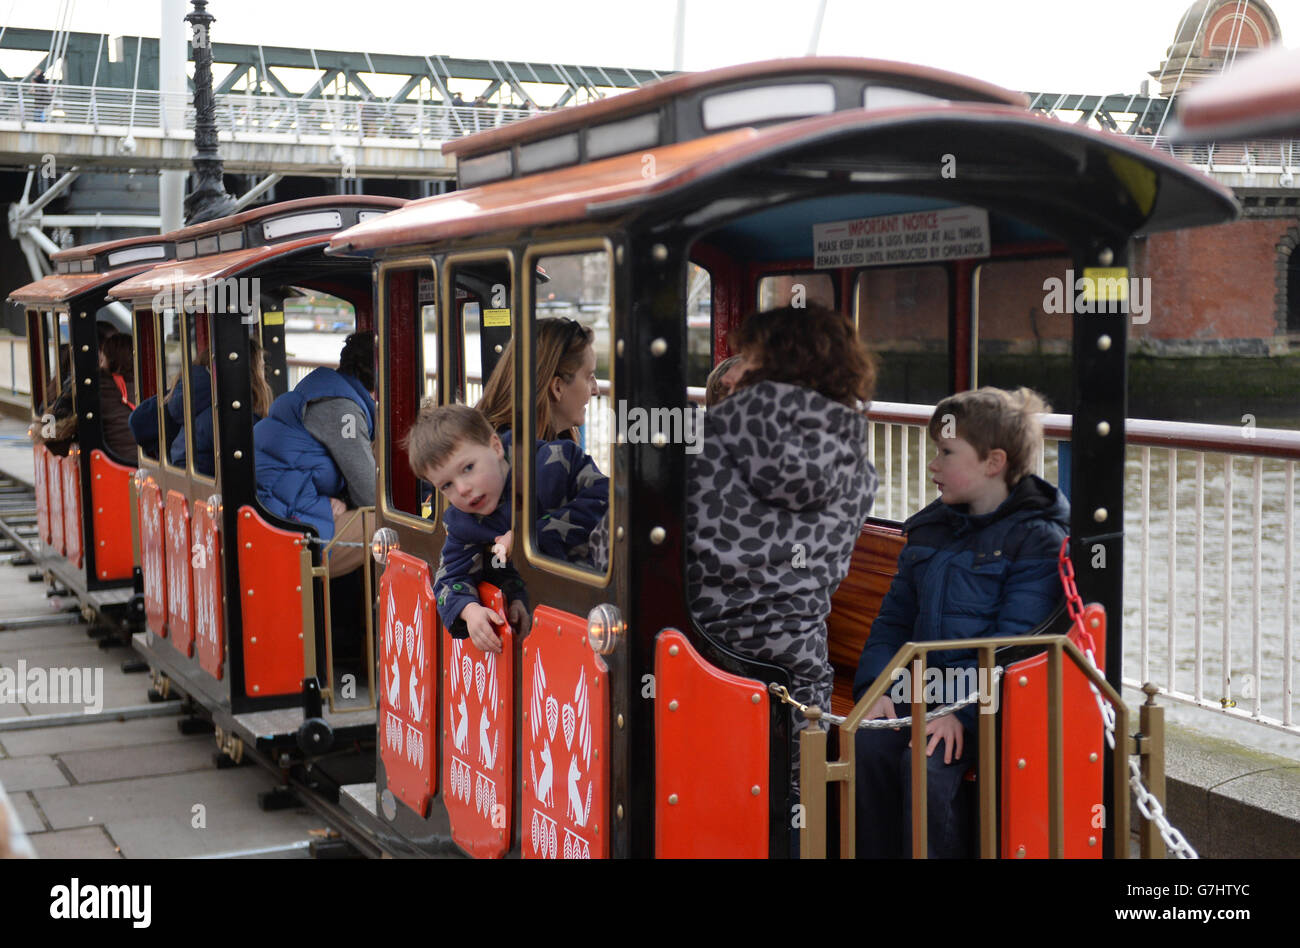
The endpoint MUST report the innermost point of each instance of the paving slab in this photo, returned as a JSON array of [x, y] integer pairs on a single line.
[[227, 831], [150, 760], [164, 798], [107, 682], [90, 842], [15, 640], [61, 740], [11, 709], [27, 815], [30, 773]]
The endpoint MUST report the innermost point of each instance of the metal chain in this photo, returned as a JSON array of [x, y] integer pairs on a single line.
[[882, 723]]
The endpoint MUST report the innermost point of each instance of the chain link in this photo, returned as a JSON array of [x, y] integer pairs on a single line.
[[882, 723]]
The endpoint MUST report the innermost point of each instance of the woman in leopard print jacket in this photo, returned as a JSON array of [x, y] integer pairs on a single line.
[[779, 493]]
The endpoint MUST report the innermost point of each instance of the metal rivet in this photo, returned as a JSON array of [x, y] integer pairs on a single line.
[[1092, 758], [233, 356], [1020, 853], [1023, 681], [1105, 257], [1100, 515], [248, 546], [620, 721], [1094, 623], [672, 705], [497, 349], [618, 534], [755, 697], [235, 405], [659, 346], [85, 348], [997, 552], [238, 455], [618, 254], [253, 639], [755, 789], [277, 371], [250, 592], [1092, 840], [618, 347], [672, 799], [247, 514], [619, 811], [660, 252], [85, 381], [672, 650], [1021, 763], [1103, 342], [1103, 428], [659, 440], [658, 535], [275, 338]]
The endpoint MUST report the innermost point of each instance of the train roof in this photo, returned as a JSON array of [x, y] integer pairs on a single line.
[[231, 245], [695, 105], [1259, 97], [1032, 167], [92, 267]]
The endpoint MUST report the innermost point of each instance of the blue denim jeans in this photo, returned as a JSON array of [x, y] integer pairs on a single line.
[[884, 790]]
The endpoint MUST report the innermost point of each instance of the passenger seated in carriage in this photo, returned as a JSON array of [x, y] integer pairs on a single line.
[[314, 459], [454, 448], [780, 491], [116, 382], [57, 429], [144, 419], [981, 560]]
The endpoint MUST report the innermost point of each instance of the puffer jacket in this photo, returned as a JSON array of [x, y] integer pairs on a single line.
[[778, 495], [201, 407], [962, 576], [296, 476]]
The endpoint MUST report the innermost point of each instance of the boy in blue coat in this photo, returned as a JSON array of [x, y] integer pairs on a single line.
[[455, 449], [979, 561]]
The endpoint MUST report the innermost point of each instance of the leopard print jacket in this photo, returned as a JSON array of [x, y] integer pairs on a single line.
[[778, 495]]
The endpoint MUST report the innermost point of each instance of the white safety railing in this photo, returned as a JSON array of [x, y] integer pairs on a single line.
[[1275, 156], [15, 369], [243, 115]]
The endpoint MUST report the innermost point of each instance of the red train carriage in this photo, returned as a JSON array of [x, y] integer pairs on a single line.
[[612, 726], [82, 486], [237, 599]]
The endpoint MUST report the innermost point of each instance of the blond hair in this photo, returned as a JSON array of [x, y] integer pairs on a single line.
[[439, 431], [561, 345], [989, 418]]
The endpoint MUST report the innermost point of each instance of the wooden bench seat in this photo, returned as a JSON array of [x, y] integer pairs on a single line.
[[856, 603]]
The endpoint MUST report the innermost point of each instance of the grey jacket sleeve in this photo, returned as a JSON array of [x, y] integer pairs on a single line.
[[345, 438]]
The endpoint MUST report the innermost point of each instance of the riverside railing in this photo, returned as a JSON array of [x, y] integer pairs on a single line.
[[243, 115], [1214, 620]]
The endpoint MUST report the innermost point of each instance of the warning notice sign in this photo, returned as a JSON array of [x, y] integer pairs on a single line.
[[953, 233]]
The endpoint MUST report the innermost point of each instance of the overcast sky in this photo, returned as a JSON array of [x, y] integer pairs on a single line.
[[1096, 46]]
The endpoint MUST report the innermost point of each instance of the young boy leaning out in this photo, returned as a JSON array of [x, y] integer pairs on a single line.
[[981, 560], [455, 449]]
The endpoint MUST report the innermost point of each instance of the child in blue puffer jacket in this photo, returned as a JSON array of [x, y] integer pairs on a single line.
[[979, 561], [454, 448]]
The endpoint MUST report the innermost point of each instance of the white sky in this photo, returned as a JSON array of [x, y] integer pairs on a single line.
[[1095, 46]]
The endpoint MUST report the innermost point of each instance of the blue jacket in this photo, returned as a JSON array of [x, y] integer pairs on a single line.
[[144, 423], [962, 577], [296, 476], [574, 496]]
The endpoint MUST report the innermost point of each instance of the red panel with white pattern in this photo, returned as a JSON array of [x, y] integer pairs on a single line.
[[478, 740], [72, 506], [41, 457], [408, 664], [566, 741], [153, 556], [209, 636], [180, 597]]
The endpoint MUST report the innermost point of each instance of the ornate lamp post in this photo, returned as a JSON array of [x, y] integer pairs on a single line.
[[209, 199]]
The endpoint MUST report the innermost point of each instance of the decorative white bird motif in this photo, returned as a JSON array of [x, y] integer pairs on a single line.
[[460, 730], [487, 753]]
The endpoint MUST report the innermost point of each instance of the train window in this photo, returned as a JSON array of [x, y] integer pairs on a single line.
[[409, 370], [902, 316], [60, 355], [1017, 341], [38, 359], [795, 289], [171, 356], [570, 368], [198, 409], [699, 325]]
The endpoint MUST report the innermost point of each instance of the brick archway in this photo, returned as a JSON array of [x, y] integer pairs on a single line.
[[1288, 282]]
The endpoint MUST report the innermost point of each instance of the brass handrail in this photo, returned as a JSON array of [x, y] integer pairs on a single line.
[[310, 572], [816, 772]]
